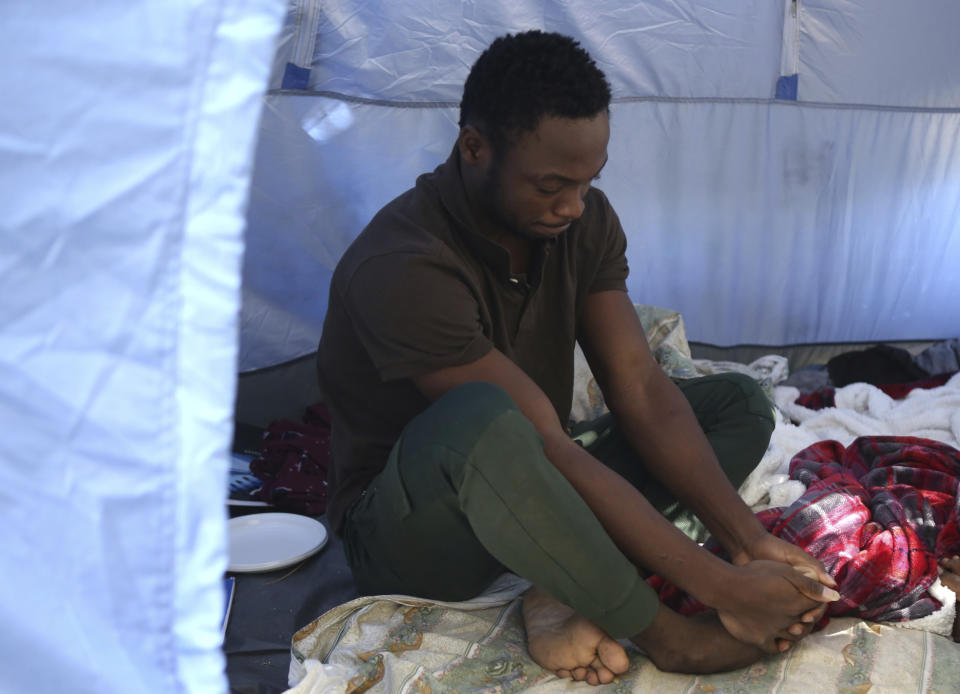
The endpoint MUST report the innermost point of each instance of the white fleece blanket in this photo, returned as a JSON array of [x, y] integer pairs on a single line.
[[861, 410]]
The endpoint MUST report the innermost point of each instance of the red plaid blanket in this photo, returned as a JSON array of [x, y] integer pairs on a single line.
[[878, 514]]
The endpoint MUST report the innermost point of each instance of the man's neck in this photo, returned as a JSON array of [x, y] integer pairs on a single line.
[[521, 252], [519, 248]]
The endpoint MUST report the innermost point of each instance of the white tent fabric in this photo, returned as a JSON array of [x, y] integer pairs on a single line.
[[881, 52], [404, 51], [829, 214], [126, 144]]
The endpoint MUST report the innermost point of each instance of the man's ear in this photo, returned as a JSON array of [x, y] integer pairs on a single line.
[[475, 150]]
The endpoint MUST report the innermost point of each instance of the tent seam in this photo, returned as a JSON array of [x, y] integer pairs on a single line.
[[630, 100]]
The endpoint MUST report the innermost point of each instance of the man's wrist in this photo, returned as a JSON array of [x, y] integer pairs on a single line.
[[739, 538]]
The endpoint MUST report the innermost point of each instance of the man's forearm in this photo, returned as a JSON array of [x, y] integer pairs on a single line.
[[676, 452], [647, 538]]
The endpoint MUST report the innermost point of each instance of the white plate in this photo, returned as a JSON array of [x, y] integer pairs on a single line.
[[268, 541]]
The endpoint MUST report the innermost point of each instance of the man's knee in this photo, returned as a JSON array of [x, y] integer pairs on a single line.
[[749, 419], [425, 503], [730, 396], [755, 399], [737, 417]]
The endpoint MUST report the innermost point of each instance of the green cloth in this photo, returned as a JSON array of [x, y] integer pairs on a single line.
[[468, 493]]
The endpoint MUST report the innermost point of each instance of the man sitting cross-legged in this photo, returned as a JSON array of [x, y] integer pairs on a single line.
[[447, 363]]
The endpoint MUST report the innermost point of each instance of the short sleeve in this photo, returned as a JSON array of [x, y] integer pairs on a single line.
[[612, 269], [414, 313]]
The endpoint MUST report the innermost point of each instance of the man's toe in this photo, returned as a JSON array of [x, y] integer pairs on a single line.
[[613, 657], [604, 676]]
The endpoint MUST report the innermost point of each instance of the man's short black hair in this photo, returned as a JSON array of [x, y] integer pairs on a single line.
[[521, 78]]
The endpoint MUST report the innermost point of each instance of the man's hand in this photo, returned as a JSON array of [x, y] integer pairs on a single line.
[[768, 601], [767, 546]]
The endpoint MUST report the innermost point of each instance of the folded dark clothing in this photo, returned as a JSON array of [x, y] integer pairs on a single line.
[[940, 357], [294, 461], [879, 364], [809, 378]]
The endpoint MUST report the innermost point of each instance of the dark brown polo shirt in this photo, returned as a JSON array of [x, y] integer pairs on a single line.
[[420, 290]]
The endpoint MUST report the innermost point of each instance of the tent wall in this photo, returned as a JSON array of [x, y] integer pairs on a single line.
[[786, 172], [126, 144]]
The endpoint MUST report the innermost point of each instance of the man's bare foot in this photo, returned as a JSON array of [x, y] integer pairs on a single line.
[[950, 577], [694, 645], [568, 644]]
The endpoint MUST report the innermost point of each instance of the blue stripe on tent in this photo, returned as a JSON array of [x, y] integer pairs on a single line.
[[296, 77], [787, 87]]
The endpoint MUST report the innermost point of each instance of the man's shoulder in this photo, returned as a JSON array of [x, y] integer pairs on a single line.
[[598, 206], [414, 224]]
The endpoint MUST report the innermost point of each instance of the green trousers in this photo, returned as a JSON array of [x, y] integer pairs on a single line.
[[467, 493]]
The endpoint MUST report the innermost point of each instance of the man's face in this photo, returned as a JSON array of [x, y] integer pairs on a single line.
[[536, 186]]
